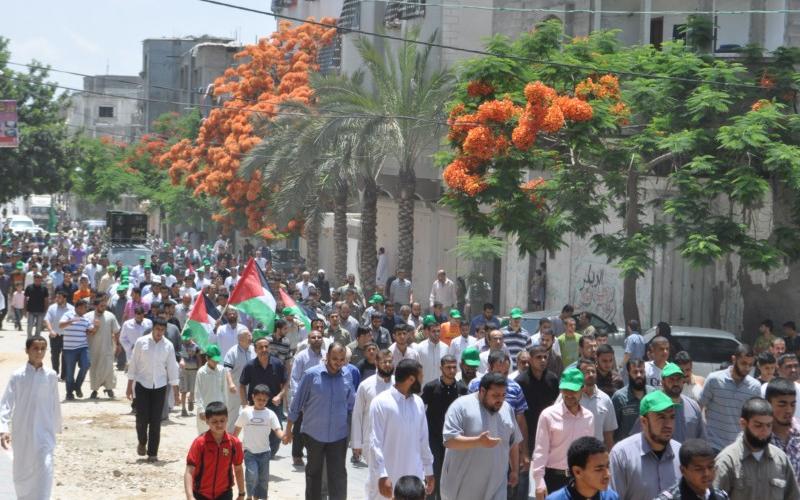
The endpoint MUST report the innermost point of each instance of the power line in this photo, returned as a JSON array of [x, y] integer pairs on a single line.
[[231, 108], [545, 10], [485, 53]]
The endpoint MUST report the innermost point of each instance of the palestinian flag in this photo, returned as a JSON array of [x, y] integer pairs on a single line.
[[200, 323], [290, 305], [252, 296]]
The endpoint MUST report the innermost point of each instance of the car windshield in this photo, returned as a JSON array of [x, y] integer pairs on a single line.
[[128, 256], [707, 349], [285, 254], [21, 223], [531, 325]]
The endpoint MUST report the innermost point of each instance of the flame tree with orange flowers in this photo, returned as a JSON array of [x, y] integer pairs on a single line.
[[588, 116], [273, 71]]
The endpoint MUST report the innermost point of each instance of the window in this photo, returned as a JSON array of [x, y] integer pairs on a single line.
[[707, 349], [106, 112]]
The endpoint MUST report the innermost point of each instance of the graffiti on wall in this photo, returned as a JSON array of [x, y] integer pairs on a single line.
[[596, 293]]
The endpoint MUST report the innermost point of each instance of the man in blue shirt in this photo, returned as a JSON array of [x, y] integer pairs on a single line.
[[487, 318], [587, 459], [325, 397], [634, 344]]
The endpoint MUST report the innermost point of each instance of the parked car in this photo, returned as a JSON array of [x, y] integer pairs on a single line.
[[128, 254], [286, 259], [530, 322], [23, 224], [709, 348]]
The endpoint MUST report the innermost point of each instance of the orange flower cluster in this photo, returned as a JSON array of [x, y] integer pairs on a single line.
[[606, 87], [531, 187], [477, 88], [462, 175], [272, 71], [496, 125], [766, 81], [760, 104]]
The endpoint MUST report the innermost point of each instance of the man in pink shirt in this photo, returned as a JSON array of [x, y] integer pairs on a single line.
[[559, 426]]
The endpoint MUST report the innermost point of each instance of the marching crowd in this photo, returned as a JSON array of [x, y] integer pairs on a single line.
[[435, 403]]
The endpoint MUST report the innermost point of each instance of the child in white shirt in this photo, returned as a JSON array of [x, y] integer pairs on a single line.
[[257, 421]]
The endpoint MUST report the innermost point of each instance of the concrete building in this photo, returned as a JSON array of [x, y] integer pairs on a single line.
[[173, 77], [107, 107], [200, 66], [722, 296]]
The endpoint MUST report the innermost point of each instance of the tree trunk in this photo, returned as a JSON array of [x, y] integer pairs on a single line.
[[405, 219], [630, 310], [368, 258], [340, 235], [312, 231]]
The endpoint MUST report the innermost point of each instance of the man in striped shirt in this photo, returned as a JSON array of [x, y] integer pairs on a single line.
[[76, 328], [724, 394], [515, 337]]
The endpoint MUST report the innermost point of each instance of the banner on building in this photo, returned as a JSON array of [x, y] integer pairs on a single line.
[[9, 124]]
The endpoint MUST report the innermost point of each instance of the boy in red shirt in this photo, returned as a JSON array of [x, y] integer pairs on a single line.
[[214, 458]]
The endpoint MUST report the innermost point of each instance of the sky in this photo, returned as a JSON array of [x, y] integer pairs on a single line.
[[104, 36]]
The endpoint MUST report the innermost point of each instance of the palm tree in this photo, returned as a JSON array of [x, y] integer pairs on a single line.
[[401, 112], [308, 163]]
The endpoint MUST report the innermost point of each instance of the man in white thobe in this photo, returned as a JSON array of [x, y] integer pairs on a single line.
[[431, 351], [31, 406], [234, 362], [370, 387], [101, 348], [399, 435]]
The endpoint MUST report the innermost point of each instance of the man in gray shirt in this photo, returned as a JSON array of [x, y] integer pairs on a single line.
[[481, 439], [724, 393], [688, 417], [647, 463], [752, 468], [400, 290]]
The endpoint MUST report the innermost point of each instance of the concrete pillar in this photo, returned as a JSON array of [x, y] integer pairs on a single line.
[[647, 6], [758, 23]]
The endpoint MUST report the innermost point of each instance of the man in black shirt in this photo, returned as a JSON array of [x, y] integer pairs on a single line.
[[36, 304], [68, 287], [366, 366], [438, 395], [540, 387], [268, 370]]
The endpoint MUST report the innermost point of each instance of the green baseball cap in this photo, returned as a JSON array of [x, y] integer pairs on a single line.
[[212, 352], [671, 369], [167, 269], [20, 264], [142, 257], [376, 299], [148, 266], [287, 311], [471, 357], [655, 402], [571, 380], [111, 267], [455, 314], [429, 320], [206, 262], [260, 333], [516, 313]]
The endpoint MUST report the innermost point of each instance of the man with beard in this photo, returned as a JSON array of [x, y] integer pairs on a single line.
[[597, 402], [367, 390], [724, 393], [645, 464], [438, 395], [399, 436], [752, 468], [101, 348], [608, 380], [481, 440], [325, 397], [688, 417], [782, 397], [559, 425], [697, 470], [470, 361], [626, 400]]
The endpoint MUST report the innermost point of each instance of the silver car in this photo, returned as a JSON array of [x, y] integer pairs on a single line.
[[709, 348]]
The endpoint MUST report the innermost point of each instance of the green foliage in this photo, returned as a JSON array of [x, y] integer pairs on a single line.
[[45, 157], [479, 248], [719, 159]]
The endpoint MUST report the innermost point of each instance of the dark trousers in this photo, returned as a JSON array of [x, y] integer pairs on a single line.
[[228, 495], [333, 456], [554, 479], [274, 440], [149, 403], [297, 444], [3, 313], [437, 450], [56, 348]]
